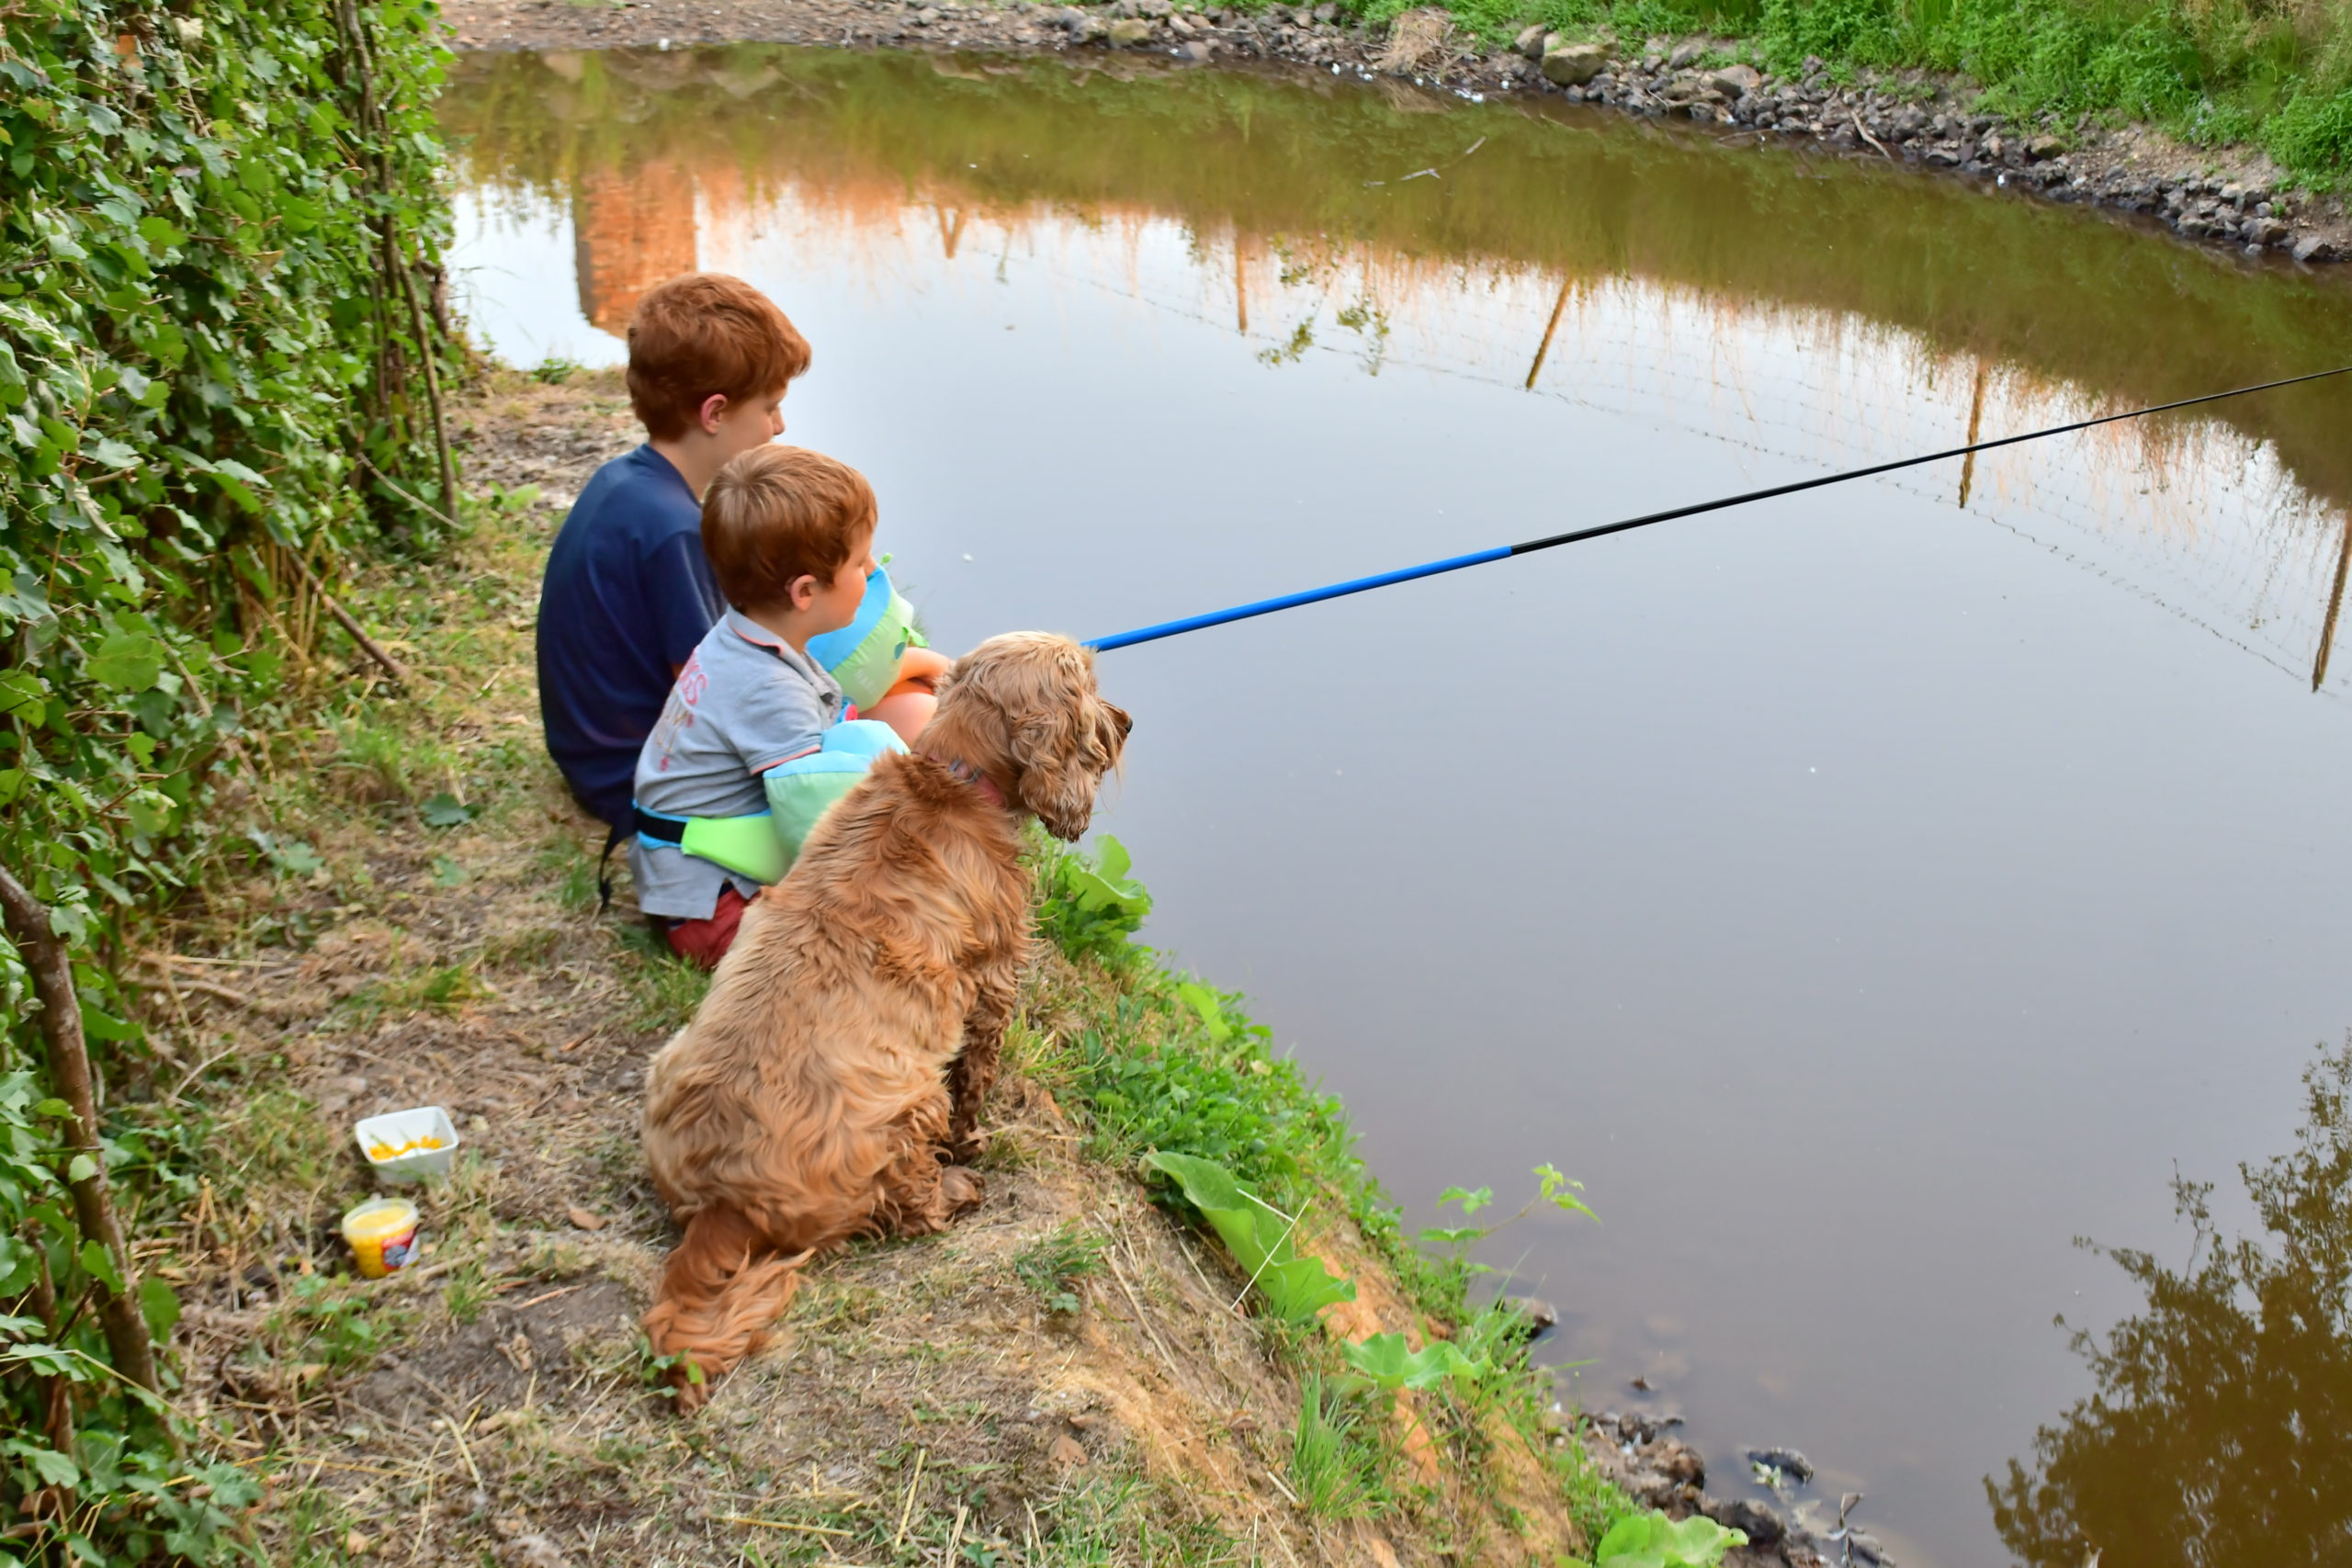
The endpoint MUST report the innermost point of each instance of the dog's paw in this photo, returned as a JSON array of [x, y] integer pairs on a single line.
[[960, 1190], [690, 1388]]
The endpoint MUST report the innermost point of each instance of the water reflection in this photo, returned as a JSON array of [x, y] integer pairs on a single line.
[[2221, 1428], [1635, 274]]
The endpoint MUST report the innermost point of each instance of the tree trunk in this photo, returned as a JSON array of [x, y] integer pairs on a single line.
[[69, 1071]]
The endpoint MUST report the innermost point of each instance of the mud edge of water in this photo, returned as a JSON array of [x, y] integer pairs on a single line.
[[2228, 197]]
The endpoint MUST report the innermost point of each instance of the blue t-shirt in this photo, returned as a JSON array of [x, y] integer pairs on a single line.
[[627, 596]]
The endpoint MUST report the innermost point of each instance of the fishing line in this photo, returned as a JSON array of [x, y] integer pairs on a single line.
[[1577, 536]]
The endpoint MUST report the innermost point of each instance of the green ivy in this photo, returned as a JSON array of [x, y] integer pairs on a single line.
[[221, 226]]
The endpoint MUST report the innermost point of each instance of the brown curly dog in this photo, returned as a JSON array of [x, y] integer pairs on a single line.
[[838, 1064]]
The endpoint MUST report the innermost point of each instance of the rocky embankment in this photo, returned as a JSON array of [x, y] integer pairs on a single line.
[[1642, 1455], [2232, 197], [1914, 119]]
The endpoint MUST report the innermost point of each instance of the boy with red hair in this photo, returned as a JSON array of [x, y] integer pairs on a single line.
[[628, 592]]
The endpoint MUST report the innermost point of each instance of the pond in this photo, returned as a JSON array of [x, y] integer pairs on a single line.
[[1866, 894]]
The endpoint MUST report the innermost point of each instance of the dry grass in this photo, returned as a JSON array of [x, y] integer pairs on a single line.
[[1416, 39], [928, 1403]]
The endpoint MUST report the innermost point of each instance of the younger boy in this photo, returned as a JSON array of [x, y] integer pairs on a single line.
[[627, 593], [790, 535]]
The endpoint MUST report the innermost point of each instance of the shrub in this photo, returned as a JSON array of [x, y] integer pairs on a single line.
[[218, 233], [2313, 132]]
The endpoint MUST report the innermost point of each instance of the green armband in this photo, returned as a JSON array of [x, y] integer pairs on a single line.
[[800, 792], [864, 655]]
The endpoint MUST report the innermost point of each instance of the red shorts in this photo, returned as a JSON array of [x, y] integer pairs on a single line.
[[706, 942]]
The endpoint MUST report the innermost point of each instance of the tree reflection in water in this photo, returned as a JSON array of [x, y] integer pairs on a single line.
[[2220, 1433]]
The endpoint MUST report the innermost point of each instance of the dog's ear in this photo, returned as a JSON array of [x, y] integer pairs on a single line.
[[1063, 741]]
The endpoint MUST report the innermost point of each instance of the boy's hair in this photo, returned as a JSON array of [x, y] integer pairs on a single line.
[[706, 333], [774, 513]]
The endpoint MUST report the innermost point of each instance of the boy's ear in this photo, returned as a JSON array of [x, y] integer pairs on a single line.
[[802, 590], [714, 407]]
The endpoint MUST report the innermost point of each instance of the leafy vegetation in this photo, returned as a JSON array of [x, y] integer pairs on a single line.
[[1383, 1361], [1259, 1235], [219, 227], [1653, 1540], [2276, 71], [1090, 905]]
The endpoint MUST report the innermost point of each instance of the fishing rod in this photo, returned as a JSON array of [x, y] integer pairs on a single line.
[[1577, 536]]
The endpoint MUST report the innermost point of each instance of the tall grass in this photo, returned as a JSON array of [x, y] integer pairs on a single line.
[[2274, 72], [1337, 1462]]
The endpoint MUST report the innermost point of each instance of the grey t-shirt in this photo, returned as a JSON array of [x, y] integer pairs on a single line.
[[744, 702]]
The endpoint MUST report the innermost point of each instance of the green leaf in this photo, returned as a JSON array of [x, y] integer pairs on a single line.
[[1653, 1540], [22, 694], [1258, 1237], [1388, 1364], [81, 1168], [1203, 1001], [126, 661], [1111, 857], [99, 1024], [54, 1468], [1472, 1200], [1452, 1235], [1561, 1192], [99, 1262], [445, 810], [159, 1306], [296, 858]]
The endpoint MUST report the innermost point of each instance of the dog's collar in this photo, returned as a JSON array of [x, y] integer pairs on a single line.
[[977, 780]]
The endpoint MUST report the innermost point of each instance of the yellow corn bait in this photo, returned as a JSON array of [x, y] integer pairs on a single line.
[[382, 1235], [380, 1150]]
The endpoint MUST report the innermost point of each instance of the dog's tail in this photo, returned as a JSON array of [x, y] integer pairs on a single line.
[[721, 1293]]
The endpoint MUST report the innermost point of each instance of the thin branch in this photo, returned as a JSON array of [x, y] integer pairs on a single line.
[[407, 494], [368, 645]]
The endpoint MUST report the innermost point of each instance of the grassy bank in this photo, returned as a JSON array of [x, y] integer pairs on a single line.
[[2276, 73], [1081, 1371]]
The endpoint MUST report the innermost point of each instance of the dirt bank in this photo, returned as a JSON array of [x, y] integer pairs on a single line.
[[2228, 196], [1062, 1378]]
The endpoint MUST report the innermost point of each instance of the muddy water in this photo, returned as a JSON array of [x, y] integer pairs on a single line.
[[1866, 895]]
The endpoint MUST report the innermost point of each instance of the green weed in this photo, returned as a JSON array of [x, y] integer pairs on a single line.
[[1336, 1465], [466, 1294], [1089, 908], [667, 989], [444, 988], [1383, 1363], [340, 1323], [1054, 1266], [1454, 1263], [1653, 1540], [1261, 1238], [268, 1144], [572, 869], [379, 764]]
